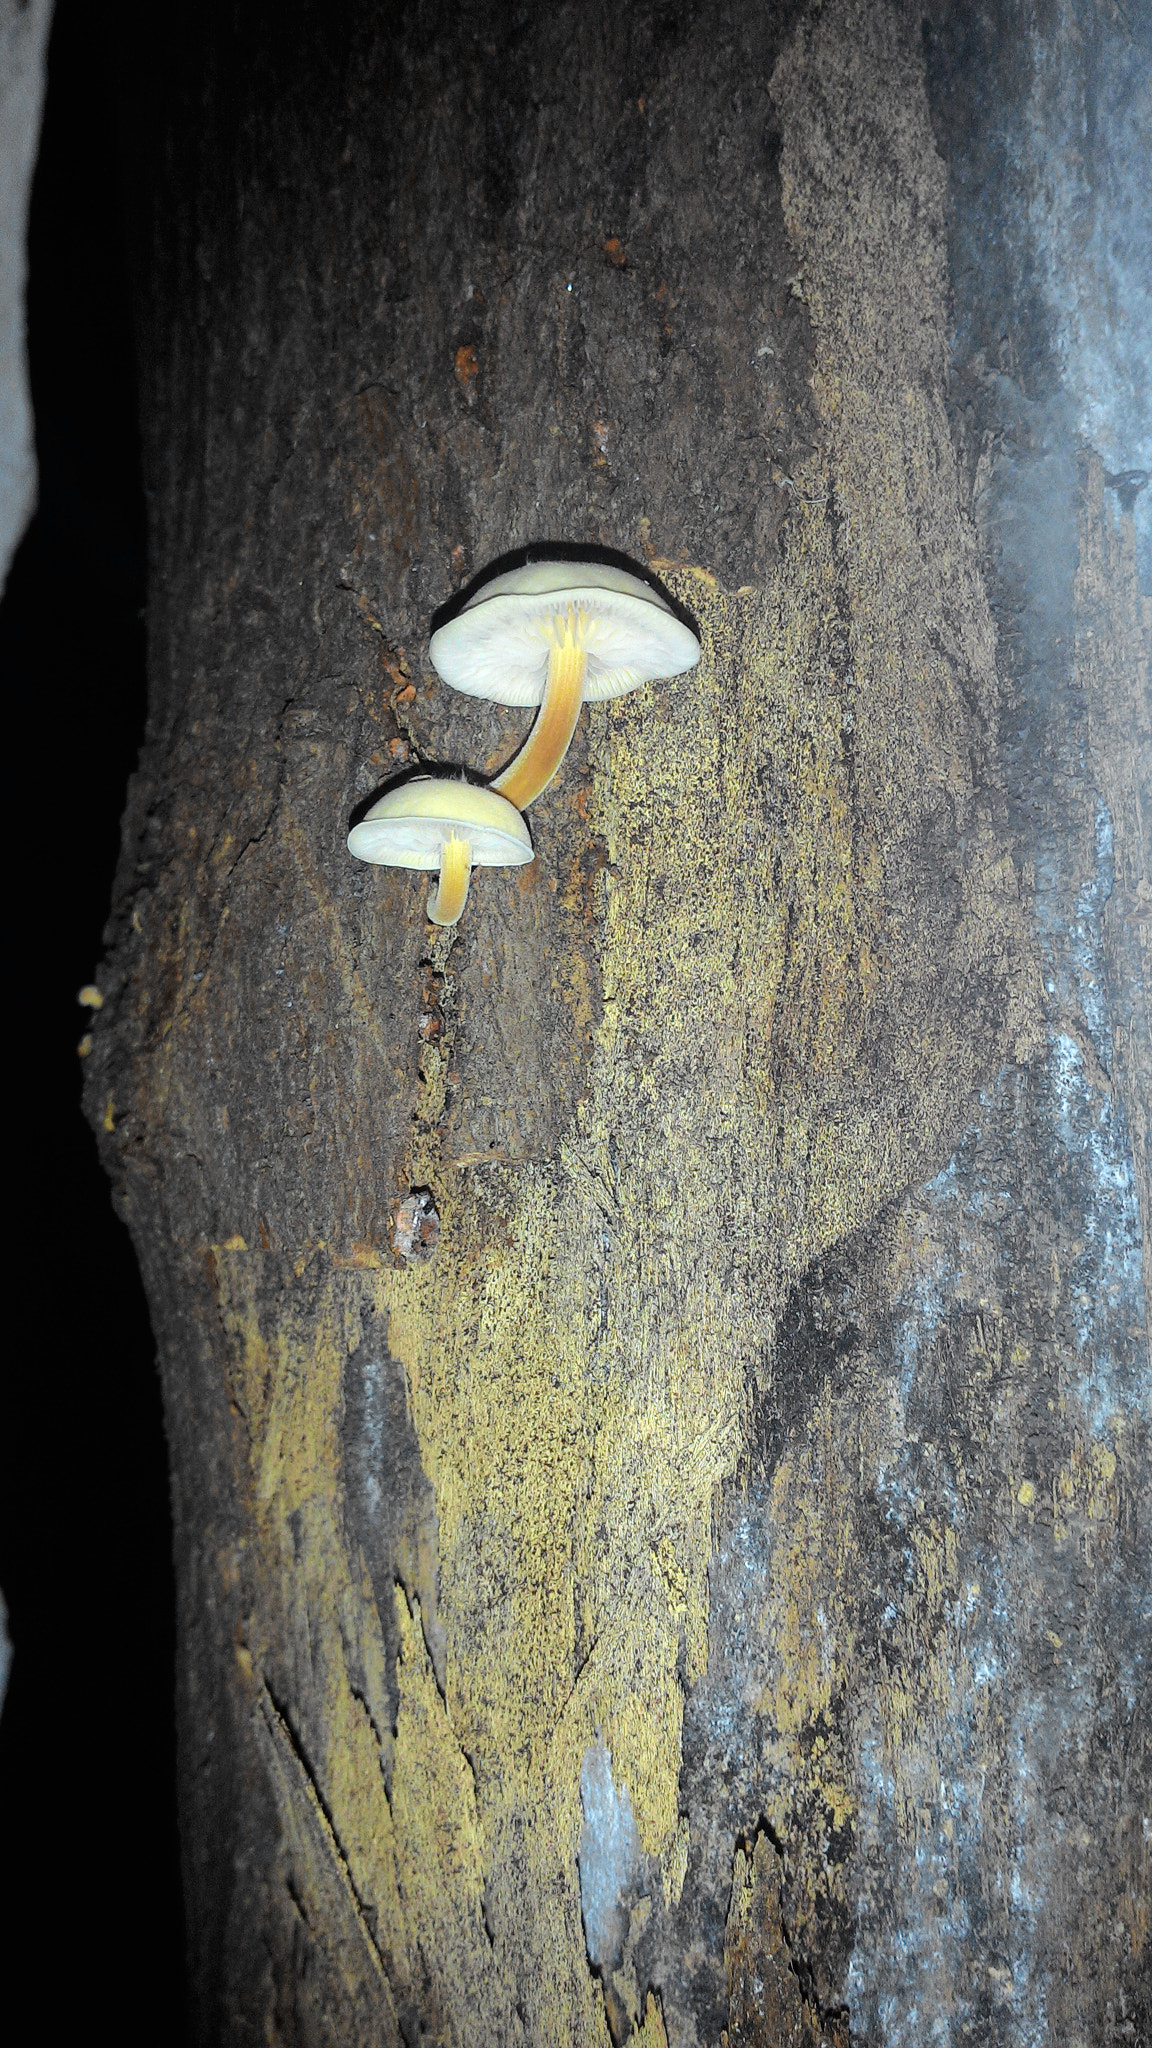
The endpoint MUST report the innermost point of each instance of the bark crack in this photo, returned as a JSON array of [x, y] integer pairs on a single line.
[[756, 1905], [288, 1744], [421, 1164]]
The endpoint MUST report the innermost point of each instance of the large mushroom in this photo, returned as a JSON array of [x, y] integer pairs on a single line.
[[434, 822], [552, 633]]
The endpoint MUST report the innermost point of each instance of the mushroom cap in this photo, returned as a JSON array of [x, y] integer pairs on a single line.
[[498, 645], [407, 828]]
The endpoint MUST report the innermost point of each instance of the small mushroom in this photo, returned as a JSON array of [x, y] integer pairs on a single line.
[[553, 633], [432, 822]]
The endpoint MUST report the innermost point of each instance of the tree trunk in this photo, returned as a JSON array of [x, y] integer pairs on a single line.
[[655, 1375]]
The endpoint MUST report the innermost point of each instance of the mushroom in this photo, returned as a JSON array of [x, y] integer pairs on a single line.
[[553, 633], [432, 822]]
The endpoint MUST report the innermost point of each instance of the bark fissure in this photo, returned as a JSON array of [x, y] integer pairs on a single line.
[[282, 1732]]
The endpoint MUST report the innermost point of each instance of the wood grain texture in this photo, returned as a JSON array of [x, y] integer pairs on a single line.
[[737, 1411]]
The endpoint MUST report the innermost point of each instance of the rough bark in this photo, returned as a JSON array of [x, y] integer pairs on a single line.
[[693, 1584]]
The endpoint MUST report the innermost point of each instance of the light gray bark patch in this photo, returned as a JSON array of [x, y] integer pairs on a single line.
[[609, 1855], [610, 1861]]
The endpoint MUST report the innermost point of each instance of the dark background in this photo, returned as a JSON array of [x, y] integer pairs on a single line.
[[87, 1745]]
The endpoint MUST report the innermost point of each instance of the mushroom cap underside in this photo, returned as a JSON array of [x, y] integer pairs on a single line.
[[408, 827], [498, 646]]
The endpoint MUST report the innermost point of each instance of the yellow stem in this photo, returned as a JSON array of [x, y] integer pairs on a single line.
[[447, 903], [532, 769]]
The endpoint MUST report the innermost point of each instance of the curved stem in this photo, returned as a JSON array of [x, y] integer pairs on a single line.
[[447, 902], [532, 769]]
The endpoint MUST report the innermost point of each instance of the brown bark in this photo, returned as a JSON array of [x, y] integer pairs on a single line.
[[654, 1483]]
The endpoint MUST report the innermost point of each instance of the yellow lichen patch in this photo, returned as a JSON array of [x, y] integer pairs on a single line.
[[573, 1488], [412, 1861], [1085, 1494], [651, 2033], [440, 1866], [350, 1950]]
